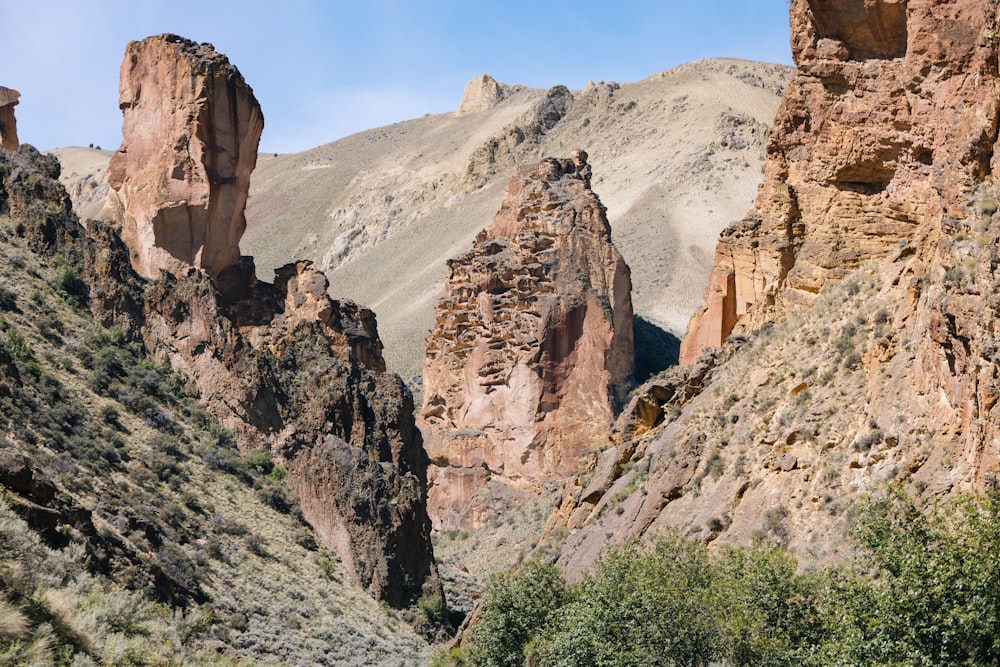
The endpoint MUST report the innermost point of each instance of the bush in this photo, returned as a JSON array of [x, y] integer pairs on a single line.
[[8, 300], [640, 607], [936, 599], [518, 606], [260, 461]]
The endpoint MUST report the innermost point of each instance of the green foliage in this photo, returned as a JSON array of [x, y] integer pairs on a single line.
[[640, 607], [17, 346], [936, 599], [328, 568], [454, 657], [519, 605], [260, 461], [67, 281], [924, 590], [766, 611], [433, 608]]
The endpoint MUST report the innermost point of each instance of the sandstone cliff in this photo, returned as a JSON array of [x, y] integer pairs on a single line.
[[858, 299], [189, 142], [532, 346], [8, 123], [285, 367]]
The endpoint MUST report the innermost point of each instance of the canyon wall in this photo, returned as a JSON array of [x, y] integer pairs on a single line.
[[848, 338], [284, 366], [886, 128]]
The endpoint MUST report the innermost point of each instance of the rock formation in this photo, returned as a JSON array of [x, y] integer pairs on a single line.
[[482, 93], [189, 142], [883, 96], [884, 147], [532, 350], [286, 368], [859, 299], [517, 141], [8, 124]]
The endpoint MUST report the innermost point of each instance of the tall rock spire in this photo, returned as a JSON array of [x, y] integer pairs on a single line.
[[532, 345], [8, 124], [189, 143]]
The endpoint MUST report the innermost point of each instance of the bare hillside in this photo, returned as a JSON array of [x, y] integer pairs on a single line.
[[676, 157]]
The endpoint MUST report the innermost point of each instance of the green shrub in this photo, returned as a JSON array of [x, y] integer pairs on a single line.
[[936, 599], [433, 608], [260, 461], [518, 606], [640, 607]]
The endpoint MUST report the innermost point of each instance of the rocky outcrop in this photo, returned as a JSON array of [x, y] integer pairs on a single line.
[[889, 120], [33, 196], [859, 300], [517, 141], [8, 123], [290, 370], [179, 181], [532, 348], [885, 148], [283, 366], [482, 93]]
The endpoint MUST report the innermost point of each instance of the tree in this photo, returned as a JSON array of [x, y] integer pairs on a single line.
[[935, 599], [766, 610], [640, 606]]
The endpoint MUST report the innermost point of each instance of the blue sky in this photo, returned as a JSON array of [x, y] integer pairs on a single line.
[[323, 70]]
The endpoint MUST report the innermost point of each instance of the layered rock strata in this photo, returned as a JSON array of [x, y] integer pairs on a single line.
[[8, 123], [179, 181], [532, 346], [286, 368]]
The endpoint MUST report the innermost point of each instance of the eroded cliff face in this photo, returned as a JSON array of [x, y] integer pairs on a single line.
[[884, 132], [885, 146], [859, 298], [180, 179], [532, 347], [8, 123], [286, 368]]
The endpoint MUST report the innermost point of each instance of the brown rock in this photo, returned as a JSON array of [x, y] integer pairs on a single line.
[[284, 367], [890, 117], [482, 93], [873, 253], [532, 346], [8, 123], [180, 178], [17, 475]]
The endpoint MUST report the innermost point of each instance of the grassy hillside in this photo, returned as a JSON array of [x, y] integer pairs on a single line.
[[160, 544]]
